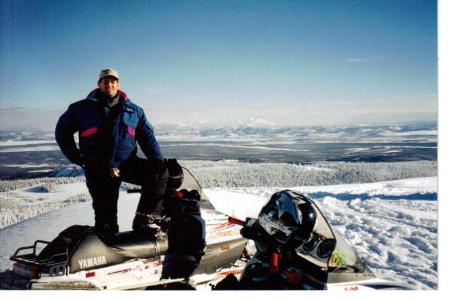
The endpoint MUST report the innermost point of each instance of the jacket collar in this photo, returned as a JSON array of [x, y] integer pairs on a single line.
[[93, 95]]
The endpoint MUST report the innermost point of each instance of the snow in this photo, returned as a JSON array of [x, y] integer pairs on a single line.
[[392, 224], [31, 148], [357, 149], [237, 146], [38, 193], [410, 133], [28, 166], [22, 143]]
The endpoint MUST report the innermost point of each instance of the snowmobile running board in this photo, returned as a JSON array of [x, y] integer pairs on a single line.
[[87, 285]]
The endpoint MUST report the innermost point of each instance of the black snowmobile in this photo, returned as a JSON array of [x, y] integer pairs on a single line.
[[79, 259]]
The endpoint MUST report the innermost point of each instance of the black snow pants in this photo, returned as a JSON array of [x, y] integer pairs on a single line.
[[150, 174]]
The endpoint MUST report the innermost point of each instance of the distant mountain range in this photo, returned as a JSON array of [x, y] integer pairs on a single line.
[[398, 132], [391, 133]]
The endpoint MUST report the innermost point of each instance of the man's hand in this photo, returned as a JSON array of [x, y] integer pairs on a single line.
[[114, 172]]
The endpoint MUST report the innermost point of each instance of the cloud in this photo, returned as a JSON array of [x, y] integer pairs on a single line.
[[362, 59]]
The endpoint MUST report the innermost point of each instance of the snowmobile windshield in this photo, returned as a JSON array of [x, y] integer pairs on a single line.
[[327, 248], [320, 247], [280, 218], [344, 257], [190, 183]]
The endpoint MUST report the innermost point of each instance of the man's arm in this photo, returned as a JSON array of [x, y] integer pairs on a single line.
[[145, 136], [65, 129]]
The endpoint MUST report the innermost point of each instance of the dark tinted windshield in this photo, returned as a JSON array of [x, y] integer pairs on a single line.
[[191, 183]]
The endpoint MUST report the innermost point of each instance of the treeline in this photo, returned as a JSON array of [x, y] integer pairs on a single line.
[[11, 185], [242, 174], [222, 174], [14, 210], [231, 173]]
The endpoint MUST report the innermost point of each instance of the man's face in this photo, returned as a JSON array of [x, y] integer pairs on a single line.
[[109, 86]]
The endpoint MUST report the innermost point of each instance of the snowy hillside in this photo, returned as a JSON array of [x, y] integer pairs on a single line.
[[392, 224]]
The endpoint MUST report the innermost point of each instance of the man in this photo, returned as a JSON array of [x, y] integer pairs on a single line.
[[109, 125]]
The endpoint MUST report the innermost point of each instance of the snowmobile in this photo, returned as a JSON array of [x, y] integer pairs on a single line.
[[297, 249], [79, 259]]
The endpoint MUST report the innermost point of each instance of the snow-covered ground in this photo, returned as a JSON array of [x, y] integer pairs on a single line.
[[392, 224]]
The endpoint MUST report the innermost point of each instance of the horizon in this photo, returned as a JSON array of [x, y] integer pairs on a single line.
[[23, 118]]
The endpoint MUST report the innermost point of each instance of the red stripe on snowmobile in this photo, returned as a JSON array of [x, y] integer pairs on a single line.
[[235, 221], [223, 226], [228, 271], [88, 132]]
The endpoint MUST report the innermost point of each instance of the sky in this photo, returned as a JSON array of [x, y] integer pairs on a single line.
[[226, 62]]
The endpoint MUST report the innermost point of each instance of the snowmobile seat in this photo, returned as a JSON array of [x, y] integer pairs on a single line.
[[79, 248], [136, 244], [91, 252]]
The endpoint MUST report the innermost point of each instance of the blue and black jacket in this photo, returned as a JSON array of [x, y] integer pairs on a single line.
[[87, 117]]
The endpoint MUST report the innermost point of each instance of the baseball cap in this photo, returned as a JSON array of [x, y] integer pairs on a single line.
[[108, 72]]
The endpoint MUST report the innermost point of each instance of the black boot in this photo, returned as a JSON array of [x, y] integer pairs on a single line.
[[106, 231]]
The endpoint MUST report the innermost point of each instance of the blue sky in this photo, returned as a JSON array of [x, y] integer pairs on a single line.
[[280, 62]]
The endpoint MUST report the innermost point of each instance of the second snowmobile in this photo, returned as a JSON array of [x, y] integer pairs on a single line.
[[296, 249]]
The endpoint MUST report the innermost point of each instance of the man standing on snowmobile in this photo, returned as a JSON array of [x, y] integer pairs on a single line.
[[109, 125]]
